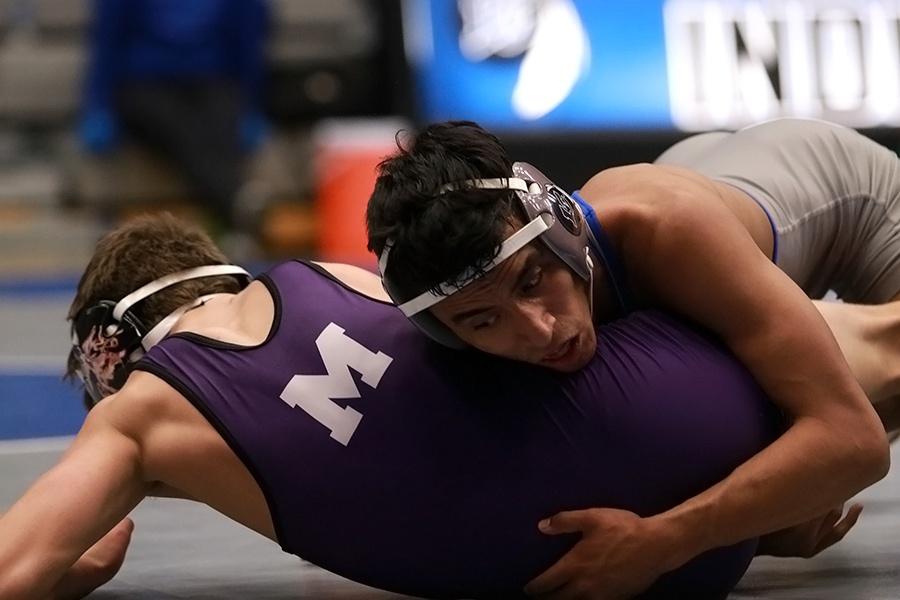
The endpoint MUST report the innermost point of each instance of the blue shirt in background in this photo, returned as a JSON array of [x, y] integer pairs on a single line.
[[176, 40]]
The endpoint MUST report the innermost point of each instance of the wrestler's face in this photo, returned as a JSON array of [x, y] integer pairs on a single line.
[[531, 307]]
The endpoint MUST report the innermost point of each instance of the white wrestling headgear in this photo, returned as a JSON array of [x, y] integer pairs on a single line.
[[107, 338], [552, 216]]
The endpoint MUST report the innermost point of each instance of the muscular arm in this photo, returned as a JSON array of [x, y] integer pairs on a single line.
[[686, 250], [93, 487], [693, 255]]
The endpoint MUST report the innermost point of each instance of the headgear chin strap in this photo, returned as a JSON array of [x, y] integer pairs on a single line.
[[108, 337], [552, 216]]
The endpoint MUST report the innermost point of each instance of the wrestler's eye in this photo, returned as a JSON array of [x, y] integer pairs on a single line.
[[534, 280], [484, 322]]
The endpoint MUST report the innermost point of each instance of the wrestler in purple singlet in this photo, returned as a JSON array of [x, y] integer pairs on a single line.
[[425, 470]]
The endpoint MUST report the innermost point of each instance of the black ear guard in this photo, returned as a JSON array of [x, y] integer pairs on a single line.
[[550, 214], [568, 237], [104, 348], [107, 338]]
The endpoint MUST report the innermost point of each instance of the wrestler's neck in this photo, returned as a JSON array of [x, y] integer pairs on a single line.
[[364, 282], [246, 318], [604, 305]]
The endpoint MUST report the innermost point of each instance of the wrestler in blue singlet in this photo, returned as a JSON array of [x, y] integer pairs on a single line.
[[425, 470]]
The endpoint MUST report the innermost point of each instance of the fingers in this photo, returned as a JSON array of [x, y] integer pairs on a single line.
[[840, 529], [125, 525], [557, 576], [552, 580], [855, 510], [572, 521], [826, 526], [849, 521]]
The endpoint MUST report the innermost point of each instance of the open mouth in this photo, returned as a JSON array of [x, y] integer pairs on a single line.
[[563, 353]]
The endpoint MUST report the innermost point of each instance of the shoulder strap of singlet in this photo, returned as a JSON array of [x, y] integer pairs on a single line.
[[603, 247]]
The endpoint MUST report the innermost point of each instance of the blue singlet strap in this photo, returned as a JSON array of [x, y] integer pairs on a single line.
[[604, 249]]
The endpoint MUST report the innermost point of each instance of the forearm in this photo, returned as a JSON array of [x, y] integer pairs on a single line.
[[35, 558], [96, 484], [834, 446], [805, 473]]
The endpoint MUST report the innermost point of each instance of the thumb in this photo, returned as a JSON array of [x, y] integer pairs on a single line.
[[572, 521]]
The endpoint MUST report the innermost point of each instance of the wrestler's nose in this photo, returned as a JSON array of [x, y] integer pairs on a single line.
[[535, 324]]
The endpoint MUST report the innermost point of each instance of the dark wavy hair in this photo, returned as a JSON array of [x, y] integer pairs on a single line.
[[437, 237]]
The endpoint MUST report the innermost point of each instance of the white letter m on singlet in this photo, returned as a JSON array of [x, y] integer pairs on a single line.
[[315, 394]]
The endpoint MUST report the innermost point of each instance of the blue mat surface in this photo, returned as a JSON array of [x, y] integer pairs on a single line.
[[38, 406], [39, 286]]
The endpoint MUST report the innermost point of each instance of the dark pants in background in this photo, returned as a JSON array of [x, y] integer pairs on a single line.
[[195, 127]]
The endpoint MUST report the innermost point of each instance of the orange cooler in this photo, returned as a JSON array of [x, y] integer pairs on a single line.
[[347, 153]]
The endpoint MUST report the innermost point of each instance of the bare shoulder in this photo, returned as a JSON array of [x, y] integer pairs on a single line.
[[159, 418], [183, 455], [359, 279], [628, 197], [614, 177], [343, 270], [644, 205], [143, 401], [645, 185]]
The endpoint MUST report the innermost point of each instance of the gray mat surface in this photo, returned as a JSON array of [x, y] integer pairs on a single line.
[[183, 550]]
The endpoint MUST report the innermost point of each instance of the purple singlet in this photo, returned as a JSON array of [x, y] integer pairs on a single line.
[[403, 465]]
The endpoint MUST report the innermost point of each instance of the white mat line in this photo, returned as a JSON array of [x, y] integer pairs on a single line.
[[35, 445]]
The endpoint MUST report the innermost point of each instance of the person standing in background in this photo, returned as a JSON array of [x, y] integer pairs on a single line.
[[185, 80]]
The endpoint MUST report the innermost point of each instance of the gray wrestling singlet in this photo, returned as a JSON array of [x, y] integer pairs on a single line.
[[832, 194]]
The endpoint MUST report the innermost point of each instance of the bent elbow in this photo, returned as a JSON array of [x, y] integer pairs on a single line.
[[873, 455], [864, 445], [881, 457]]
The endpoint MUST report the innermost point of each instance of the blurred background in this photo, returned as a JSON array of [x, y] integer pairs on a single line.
[[264, 119]]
